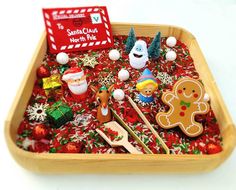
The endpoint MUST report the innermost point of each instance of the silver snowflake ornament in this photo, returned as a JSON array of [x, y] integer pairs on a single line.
[[89, 61], [37, 112], [106, 80], [165, 78]]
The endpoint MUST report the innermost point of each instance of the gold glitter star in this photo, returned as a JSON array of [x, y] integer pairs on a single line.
[[89, 61]]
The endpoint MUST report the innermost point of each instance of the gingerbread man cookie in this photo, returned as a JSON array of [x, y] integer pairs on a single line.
[[185, 101]]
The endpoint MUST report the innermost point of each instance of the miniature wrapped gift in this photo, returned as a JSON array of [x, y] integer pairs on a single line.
[[51, 83], [59, 113]]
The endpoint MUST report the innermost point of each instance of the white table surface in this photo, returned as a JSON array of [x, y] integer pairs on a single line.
[[211, 21]]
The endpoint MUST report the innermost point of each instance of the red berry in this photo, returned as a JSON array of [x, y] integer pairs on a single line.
[[40, 131], [213, 148], [43, 72]]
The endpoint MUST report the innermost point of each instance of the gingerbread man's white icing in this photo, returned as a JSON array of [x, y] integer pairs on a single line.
[[185, 101]]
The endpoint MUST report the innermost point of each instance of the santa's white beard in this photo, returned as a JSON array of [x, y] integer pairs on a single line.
[[78, 89]]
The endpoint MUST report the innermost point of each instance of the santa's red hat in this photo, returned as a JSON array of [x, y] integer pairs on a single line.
[[73, 73]]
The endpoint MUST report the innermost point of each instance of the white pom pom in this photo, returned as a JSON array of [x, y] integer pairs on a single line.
[[62, 58], [171, 41], [171, 55], [206, 97], [114, 54], [123, 75], [119, 94]]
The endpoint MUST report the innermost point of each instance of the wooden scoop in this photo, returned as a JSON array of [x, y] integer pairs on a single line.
[[122, 141]]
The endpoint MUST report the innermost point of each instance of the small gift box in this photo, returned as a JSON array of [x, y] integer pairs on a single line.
[[59, 113], [52, 82]]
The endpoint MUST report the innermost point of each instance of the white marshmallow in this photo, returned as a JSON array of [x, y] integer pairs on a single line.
[[171, 41], [114, 54], [62, 58], [119, 94], [123, 75]]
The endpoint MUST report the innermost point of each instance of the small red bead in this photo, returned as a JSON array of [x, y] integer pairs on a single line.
[[43, 72], [180, 91], [40, 131], [181, 114], [213, 148], [72, 147]]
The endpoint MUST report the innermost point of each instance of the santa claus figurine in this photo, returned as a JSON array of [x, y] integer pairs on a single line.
[[76, 81]]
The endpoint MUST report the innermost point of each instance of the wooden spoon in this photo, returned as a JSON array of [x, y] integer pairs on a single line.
[[122, 141]]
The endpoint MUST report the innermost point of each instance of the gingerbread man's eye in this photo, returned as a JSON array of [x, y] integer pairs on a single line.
[[193, 91], [184, 88]]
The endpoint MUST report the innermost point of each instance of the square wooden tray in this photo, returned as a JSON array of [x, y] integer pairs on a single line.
[[122, 163]]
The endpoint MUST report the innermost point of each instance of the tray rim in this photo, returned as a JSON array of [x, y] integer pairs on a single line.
[[18, 152]]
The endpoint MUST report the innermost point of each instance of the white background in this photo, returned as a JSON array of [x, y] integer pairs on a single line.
[[211, 21]]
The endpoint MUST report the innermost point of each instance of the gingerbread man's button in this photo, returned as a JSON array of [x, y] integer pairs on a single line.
[[183, 107], [181, 114]]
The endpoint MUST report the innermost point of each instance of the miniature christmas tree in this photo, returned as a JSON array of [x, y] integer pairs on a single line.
[[154, 48], [130, 41]]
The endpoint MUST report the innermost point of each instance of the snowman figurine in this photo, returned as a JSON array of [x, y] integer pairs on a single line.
[[138, 55]]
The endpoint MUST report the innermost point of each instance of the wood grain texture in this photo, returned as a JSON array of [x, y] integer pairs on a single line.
[[149, 126], [131, 132], [123, 163]]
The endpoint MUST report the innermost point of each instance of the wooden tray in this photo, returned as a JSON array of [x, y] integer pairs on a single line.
[[122, 163]]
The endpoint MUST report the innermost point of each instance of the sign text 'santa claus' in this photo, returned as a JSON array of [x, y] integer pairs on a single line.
[[76, 29]]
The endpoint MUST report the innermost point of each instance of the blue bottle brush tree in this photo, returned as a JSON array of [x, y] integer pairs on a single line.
[[154, 48], [130, 41]]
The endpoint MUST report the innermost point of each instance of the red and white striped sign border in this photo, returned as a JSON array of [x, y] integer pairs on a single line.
[[50, 28]]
